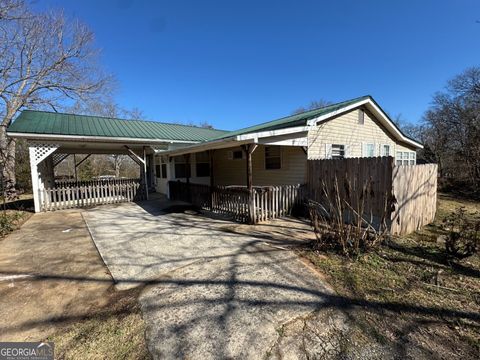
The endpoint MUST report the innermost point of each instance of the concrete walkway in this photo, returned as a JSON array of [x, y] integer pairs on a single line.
[[215, 289]]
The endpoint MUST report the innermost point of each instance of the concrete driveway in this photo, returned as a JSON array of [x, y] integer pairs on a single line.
[[216, 289]]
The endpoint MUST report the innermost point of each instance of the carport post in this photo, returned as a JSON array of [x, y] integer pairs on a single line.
[[38, 153]]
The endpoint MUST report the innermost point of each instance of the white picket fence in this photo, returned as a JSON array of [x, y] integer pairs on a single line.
[[272, 202], [264, 203], [67, 196]]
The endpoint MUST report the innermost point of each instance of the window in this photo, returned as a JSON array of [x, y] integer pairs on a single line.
[[164, 171], [412, 158], [369, 150], [406, 158], [157, 171], [399, 158], [203, 169], [386, 150], [182, 169], [202, 164], [237, 155], [361, 117], [272, 158], [338, 151]]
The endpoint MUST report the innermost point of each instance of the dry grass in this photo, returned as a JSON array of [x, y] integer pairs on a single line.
[[116, 331], [413, 272]]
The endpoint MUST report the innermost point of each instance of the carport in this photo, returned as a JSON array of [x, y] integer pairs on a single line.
[[52, 137]]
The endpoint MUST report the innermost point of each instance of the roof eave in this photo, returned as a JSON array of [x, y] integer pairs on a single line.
[[85, 138], [210, 145], [234, 141]]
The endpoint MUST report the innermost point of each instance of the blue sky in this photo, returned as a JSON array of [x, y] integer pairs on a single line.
[[237, 63]]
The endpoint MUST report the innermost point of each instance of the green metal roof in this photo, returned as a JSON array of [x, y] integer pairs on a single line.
[[50, 123], [292, 120]]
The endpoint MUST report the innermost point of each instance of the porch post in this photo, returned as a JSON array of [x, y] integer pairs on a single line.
[[212, 182], [145, 181], [249, 149], [75, 166], [188, 169]]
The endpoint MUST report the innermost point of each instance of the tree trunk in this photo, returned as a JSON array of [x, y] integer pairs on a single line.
[[7, 153]]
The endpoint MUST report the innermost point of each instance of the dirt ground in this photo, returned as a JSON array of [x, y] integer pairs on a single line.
[[54, 285]]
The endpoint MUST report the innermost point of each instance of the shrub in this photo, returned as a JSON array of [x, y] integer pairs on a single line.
[[463, 233], [8, 222], [341, 221]]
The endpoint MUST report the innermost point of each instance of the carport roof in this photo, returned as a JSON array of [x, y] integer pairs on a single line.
[[51, 123]]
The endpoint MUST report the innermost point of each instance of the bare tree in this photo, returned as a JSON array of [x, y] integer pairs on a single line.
[[45, 61], [414, 131], [134, 114], [452, 128], [316, 104], [206, 125], [11, 9]]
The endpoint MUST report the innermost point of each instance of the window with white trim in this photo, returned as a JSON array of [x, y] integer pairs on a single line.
[[413, 159], [338, 151], [369, 150], [399, 158], [273, 159], [386, 150], [235, 155], [406, 158]]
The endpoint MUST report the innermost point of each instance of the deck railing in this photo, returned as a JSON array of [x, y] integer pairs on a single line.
[[74, 194], [264, 203]]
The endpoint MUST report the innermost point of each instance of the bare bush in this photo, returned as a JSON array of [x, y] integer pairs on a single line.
[[343, 222], [463, 233]]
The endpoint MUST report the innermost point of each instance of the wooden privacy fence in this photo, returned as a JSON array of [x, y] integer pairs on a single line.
[[405, 196], [415, 191], [74, 194], [263, 204]]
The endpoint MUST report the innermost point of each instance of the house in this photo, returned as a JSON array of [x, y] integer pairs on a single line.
[[279, 149], [271, 153]]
